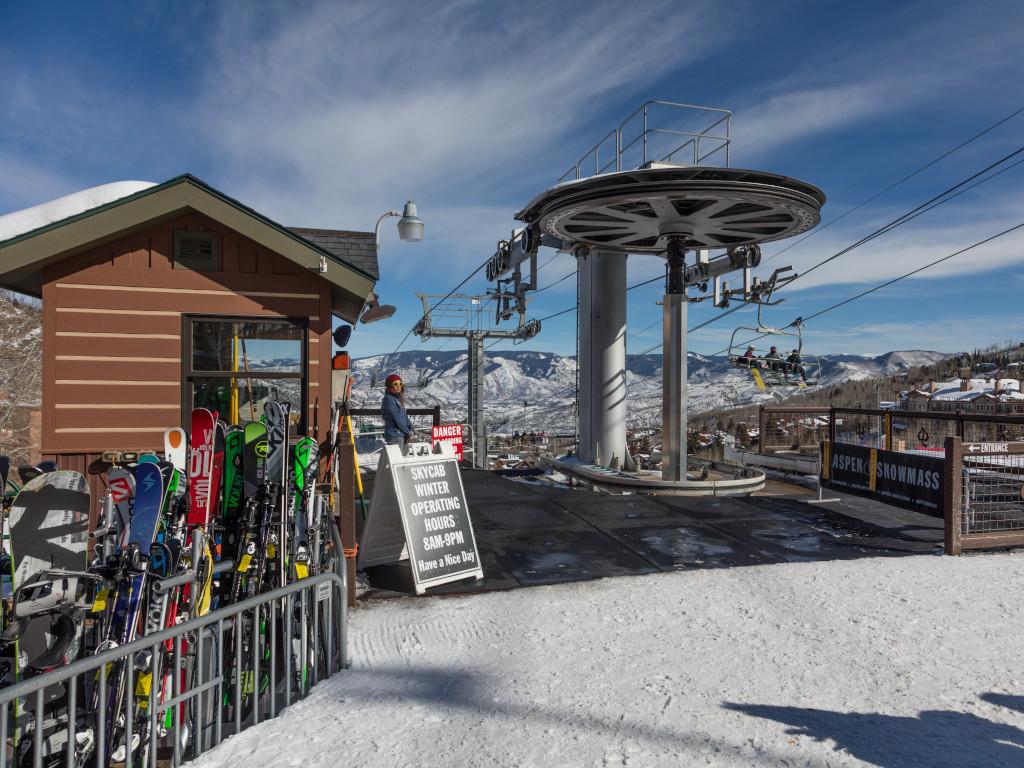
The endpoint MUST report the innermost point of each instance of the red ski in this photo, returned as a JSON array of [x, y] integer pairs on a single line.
[[200, 467]]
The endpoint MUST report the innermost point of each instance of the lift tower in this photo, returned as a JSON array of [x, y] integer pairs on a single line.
[[667, 206], [464, 317]]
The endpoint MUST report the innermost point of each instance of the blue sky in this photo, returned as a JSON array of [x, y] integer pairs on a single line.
[[328, 114]]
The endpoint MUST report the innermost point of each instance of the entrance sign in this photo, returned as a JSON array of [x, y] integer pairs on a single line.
[[449, 433], [972, 448], [419, 512]]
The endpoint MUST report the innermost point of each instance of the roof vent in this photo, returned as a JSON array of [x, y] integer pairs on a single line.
[[195, 250]]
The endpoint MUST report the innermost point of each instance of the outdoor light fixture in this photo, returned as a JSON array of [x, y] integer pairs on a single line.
[[410, 227], [376, 311]]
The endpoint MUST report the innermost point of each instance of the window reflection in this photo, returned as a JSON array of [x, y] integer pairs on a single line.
[[246, 346]]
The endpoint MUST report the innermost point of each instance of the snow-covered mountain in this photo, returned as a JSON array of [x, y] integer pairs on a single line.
[[546, 383]]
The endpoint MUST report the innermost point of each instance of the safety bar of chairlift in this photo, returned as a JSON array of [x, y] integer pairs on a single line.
[[201, 625]]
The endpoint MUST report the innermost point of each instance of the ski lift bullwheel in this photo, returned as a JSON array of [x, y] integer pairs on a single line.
[[638, 211]]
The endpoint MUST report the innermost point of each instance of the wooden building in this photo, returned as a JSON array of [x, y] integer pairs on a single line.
[[178, 296]]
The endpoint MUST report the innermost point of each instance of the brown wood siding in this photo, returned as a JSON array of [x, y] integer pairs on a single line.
[[320, 349], [98, 392], [99, 321], [112, 324], [73, 344], [183, 301]]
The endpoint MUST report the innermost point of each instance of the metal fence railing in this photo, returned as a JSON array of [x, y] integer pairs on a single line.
[[803, 429], [792, 429], [297, 636], [984, 499], [659, 131]]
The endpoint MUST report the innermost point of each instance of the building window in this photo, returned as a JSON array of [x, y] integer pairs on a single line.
[[195, 250], [233, 365]]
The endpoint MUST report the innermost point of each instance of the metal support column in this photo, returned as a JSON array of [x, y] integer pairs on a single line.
[[603, 359], [585, 445], [674, 311], [475, 400]]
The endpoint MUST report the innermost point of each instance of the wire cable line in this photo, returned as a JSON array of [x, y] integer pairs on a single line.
[[921, 209], [896, 184]]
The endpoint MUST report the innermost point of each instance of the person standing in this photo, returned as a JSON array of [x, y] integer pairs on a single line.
[[397, 427]]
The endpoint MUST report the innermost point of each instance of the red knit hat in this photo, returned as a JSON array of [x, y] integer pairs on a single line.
[[392, 379]]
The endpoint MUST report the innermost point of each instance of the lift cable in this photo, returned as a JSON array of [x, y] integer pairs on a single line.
[[896, 184], [853, 298], [921, 209]]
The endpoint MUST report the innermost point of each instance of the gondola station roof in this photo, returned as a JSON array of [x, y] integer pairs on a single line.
[[34, 238]]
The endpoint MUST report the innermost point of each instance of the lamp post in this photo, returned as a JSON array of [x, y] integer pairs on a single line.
[[410, 229]]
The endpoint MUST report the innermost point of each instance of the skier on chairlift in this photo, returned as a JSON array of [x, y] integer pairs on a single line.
[[773, 358], [794, 362], [749, 358]]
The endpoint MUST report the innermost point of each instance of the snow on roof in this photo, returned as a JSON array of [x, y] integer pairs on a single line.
[[22, 222], [949, 391]]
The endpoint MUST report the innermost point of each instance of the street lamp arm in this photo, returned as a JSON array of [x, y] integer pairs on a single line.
[[376, 231]]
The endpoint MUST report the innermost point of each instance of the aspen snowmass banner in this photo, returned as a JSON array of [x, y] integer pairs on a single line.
[[904, 480]]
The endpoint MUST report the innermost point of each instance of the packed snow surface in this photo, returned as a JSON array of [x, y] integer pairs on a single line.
[[910, 661], [21, 222]]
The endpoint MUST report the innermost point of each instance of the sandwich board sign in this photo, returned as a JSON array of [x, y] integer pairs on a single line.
[[419, 512]]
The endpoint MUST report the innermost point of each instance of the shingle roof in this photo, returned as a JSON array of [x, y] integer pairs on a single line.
[[355, 248]]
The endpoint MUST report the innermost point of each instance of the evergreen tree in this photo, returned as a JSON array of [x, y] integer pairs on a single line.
[[742, 435], [692, 442]]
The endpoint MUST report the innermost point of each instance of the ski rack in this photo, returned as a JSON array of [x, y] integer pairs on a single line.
[[205, 636]]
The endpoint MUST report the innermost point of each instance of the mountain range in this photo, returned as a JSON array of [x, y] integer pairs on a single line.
[[535, 391]]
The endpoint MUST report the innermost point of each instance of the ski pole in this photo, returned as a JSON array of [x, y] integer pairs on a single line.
[[355, 457]]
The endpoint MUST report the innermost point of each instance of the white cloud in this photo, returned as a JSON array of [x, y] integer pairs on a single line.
[[909, 248], [24, 183], [353, 101]]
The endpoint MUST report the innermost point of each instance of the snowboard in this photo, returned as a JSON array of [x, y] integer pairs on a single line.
[[49, 528]]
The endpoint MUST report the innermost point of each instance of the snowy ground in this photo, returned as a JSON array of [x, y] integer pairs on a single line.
[[911, 661]]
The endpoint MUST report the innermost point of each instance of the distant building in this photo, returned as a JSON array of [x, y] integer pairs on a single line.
[[966, 394]]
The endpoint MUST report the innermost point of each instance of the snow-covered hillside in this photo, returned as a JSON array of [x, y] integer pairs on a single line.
[[546, 383]]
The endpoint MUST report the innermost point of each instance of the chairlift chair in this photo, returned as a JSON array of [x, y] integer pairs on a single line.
[[779, 373]]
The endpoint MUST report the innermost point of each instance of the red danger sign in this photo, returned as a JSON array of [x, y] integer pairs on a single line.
[[449, 433]]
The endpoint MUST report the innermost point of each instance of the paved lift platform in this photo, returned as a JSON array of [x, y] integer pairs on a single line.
[[530, 532]]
